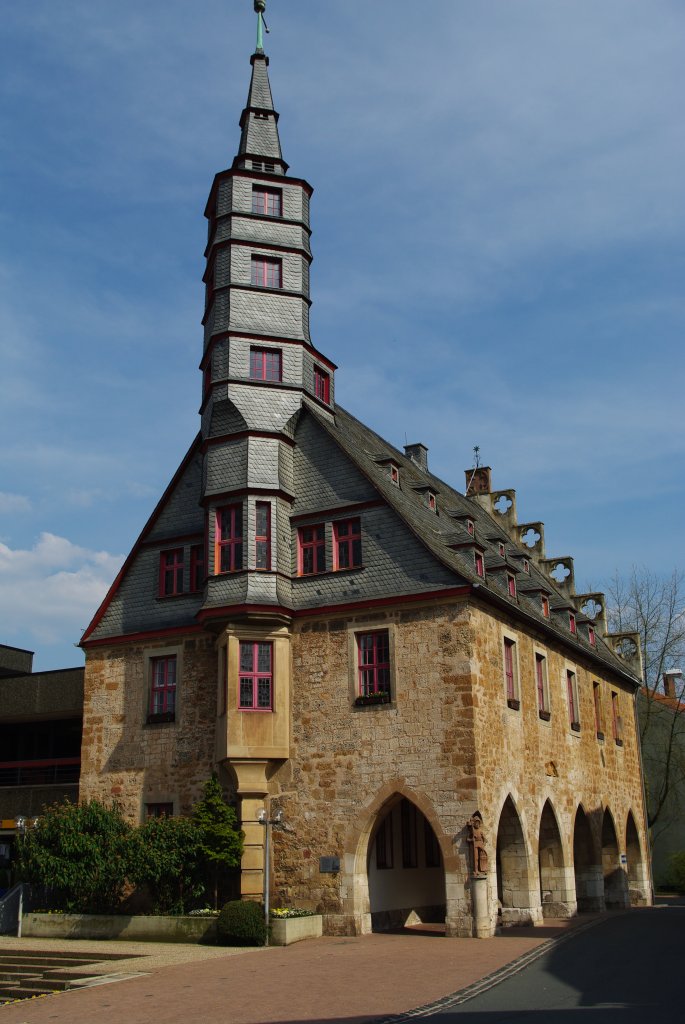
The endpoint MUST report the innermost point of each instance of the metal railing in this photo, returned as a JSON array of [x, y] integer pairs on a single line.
[[11, 909], [64, 771]]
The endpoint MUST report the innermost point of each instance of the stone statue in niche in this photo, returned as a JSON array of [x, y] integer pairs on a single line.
[[476, 837]]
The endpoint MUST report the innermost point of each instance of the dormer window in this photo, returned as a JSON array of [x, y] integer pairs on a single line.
[[479, 561], [591, 636], [544, 601], [470, 527], [322, 385], [511, 585], [431, 501], [526, 565], [394, 474], [572, 623], [502, 549]]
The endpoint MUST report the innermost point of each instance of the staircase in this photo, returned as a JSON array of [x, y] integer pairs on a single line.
[[27, 973]]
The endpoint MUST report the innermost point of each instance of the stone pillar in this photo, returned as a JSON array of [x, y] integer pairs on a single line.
[[482, 927], [252, 790]]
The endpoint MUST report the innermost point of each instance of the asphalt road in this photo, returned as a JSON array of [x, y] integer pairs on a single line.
[[629, 969]]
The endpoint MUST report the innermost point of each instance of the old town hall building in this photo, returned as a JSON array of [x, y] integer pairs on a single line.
[[347, 638]]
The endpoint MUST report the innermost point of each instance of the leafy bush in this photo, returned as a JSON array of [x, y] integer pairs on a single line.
[[81, 854], [241, 923], [166, 857]]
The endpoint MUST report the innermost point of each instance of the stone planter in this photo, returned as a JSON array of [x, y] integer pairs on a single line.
[[119, 926], [285, 930]]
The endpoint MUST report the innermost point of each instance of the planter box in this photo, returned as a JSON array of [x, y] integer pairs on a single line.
[[131, 929], [285, 930]]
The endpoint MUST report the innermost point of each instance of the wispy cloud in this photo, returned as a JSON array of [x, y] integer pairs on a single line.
[[13, 503]]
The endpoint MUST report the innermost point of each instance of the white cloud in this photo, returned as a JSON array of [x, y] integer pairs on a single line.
[[52, 589], [12, 503]]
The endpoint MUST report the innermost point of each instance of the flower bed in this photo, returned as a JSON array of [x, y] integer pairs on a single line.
[[292, 925]]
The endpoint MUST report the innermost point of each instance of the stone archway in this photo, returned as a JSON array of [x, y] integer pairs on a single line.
[[405, 869], [556, 894], [587, 867], [638, 881], [518, 903], [615, 888]]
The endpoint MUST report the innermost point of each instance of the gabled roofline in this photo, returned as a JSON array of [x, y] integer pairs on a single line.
[[97, 618]]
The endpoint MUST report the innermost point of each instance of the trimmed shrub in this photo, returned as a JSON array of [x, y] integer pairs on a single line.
[[241, 923]]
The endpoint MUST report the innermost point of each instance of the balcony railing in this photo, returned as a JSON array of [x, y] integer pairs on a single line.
[[53, 772]]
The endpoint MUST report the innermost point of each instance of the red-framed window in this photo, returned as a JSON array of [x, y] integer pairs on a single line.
[[597, 699], [163, 685], [373, 650], [572, 622], [479, 562], [470, 527], [544, 602], [347, 544], [165, 810], [511, 585], [616, 722], [410, 846], [267, 201], [431, 501], [394, 474], [266, 364], [501, 549], [311, 550], [541, 682], [229, 539], [572, 691], [322, 385], [526, 565], [197, 567], [267, 272], [256, 676], [384, 843], [510, 667], [171, 572], [262, 539], [591, 636]]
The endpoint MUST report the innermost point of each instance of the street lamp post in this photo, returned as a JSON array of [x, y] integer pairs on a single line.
[[276, 820]]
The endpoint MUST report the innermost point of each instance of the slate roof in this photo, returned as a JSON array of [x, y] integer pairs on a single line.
[[446, 535]]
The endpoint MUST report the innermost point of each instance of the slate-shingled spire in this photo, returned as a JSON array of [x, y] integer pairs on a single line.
[[259, 121]]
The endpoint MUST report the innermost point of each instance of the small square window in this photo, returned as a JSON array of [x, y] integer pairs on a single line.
[[347, 544], [171, 573], [165, 810], [311, 550], [266, 364], [266, 272], [267, 202], [322, 385], [256, 676]]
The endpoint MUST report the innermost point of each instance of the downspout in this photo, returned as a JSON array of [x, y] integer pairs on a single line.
[[644, 797]]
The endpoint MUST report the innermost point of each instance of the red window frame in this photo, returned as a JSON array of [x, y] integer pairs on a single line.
[[540, 682], [544, 601], [171, 572], [266, 272], [322, 385], [509, 673], [197, 568], [431, 501], [373, 662], [479, 561], [164, 810], [511, 585], [347, 544], [597, 699], [615, 718], [228, 539], [311, 550], [267, 202], [163, 685], [266, 364], [470, 527], [394, 475], [572, 623], [572, 692], [255, 679], [262, 538], [591, 636]]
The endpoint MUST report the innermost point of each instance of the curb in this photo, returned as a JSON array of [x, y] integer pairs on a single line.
[[490, 980]]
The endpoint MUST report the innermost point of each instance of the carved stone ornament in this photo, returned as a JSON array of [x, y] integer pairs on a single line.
[[476, 838]]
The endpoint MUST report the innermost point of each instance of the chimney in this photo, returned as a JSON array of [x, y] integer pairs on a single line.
[[670, 678], [478, 481], [418, 453]]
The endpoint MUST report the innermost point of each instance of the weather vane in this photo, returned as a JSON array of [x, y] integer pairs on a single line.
[[476, 456], [260, 7]]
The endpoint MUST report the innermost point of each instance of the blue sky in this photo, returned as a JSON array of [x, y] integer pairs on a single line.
[[499, 258]]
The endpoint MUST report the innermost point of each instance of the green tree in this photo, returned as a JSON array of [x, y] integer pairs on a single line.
[[167, 858], [221, 841], [81, 853]]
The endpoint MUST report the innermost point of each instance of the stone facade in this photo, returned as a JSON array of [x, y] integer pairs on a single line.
[[351, 641]]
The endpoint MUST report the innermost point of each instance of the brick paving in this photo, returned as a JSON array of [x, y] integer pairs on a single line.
[[329, 979]]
